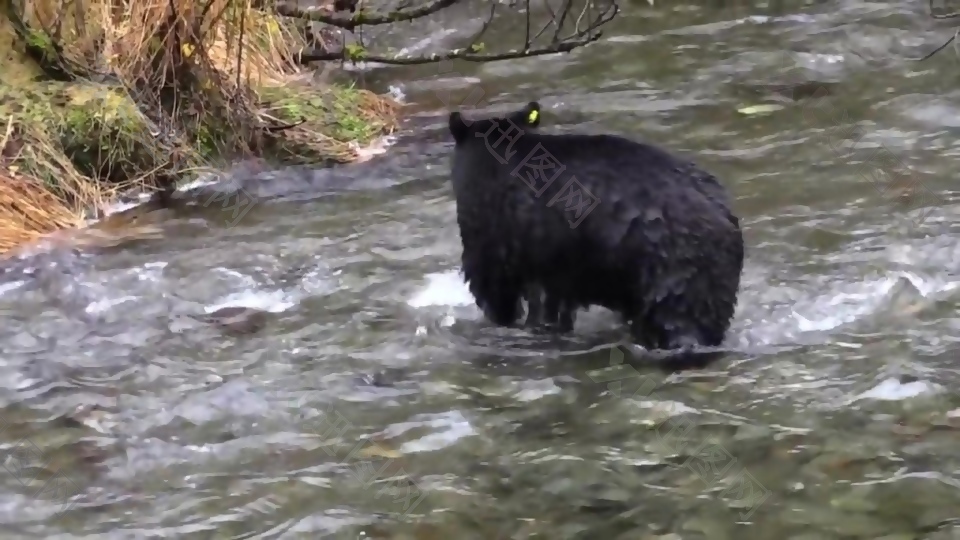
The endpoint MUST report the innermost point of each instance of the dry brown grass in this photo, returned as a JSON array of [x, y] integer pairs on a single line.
[[29, 208], [122, 36], [381, 112], [35, 217], [28, 211]]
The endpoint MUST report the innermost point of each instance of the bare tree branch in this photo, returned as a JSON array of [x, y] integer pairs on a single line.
[[567, 4], [324, 15], [458, 54], [942, 47], [473, 52]]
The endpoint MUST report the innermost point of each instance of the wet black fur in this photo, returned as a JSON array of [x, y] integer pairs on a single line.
[[662, 248]]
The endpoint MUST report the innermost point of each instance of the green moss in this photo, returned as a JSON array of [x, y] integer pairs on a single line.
[[40, 40], [355, 52], [97, 128], [335, 117], [206, 141], [335, 111]]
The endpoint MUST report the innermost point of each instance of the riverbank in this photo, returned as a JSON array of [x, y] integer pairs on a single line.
[[105, 110]]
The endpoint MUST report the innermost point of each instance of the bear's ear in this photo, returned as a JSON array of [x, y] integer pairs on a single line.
[[458, 128], [531, 114]]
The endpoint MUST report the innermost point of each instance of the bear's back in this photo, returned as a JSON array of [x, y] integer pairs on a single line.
[[610, 187]]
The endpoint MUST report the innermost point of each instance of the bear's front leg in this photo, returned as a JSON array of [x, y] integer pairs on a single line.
[[669, 327], [501, 305], [496, 294]]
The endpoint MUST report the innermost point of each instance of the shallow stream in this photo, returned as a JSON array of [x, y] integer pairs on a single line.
[[372, 400]]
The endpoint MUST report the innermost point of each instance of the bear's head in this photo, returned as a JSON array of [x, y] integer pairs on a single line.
[[525, 119]]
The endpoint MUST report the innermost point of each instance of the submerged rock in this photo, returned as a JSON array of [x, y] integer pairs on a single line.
[[236, 319]]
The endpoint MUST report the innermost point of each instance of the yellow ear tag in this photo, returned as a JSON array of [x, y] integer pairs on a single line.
[[532, 117]]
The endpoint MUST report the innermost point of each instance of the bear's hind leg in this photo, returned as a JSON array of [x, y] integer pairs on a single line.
[[535, 306], [565, 314]]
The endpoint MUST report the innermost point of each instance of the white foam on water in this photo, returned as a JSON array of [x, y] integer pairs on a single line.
[[242, 279], [894, 390], [804, 318], [203, 180], [13, 285], [152, 271], [118, 207], [397, 93], [427, 41], [272, 301], [108, 295], [375, 148], [451, 426], [443, 289], [533, 390], [104, 304], [841, 304], [844, 307]]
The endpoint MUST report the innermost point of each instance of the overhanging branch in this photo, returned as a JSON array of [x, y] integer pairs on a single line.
[[456, 54], [586, 30], [363, 18]]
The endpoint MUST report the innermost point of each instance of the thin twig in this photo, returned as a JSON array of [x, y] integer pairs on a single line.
[[6, 136], [486, 24], [526, 38], [563, 17], [243, 32], [942, 47], [951, 15]]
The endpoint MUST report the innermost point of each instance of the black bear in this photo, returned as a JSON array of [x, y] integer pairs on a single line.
[[569, 221]]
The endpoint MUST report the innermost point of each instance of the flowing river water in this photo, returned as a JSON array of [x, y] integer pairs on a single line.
[[369, 399]]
